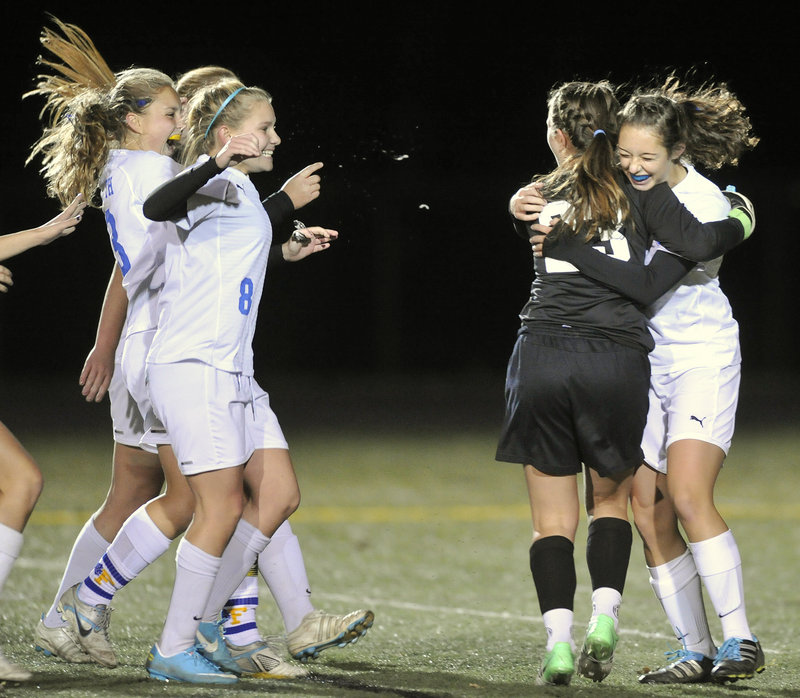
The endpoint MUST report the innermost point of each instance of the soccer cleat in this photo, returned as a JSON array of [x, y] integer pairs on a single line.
[[11, 672], [319, 630], [59, 642], [261, 660], [211, 644], [188, 666], [89, 625], [597, 653], [558, 666], [741, 206], [686, 667], [738, 659]]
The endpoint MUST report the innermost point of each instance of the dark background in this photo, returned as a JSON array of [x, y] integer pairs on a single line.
[[427, 117]]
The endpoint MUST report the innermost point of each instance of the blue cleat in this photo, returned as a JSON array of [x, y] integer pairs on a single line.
[[211, 644], [188, 666]]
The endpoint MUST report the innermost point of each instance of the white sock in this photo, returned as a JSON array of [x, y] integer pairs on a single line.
[[138, 544], [677, 587], [606, 601], [284, 570], [10, 545], [719, 564], [87, 549], [239, 613], [194, 576], [239, 556], [558, 624]]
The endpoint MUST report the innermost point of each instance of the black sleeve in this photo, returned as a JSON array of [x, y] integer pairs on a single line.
[[667, 220], [170, 200], [279, 208], [275, 255], [639, 282], [522, 228]]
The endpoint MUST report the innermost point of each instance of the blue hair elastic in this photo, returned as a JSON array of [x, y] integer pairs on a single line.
[[594, 135], [222, 106]]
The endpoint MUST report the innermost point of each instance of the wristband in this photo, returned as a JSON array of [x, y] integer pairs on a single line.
[[744, 219]]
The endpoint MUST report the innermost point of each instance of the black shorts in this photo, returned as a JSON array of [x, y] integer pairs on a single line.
[[573, 399]]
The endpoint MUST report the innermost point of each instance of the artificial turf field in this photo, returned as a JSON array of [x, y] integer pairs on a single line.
[[411, 517]]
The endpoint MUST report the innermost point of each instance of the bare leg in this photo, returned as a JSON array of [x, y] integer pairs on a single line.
[[21, 482]]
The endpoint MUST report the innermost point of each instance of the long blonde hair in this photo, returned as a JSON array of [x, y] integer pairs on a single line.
[[84, 111]]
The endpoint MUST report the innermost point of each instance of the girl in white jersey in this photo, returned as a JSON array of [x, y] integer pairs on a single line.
[[694, 389], [308, 630], [20, 478], [200, 370], [695, 369], [105, 137]]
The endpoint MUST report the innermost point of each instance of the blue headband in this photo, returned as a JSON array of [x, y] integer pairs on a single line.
[[224, 104], [594, 135]]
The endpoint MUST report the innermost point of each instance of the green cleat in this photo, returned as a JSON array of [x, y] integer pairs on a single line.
[[558, 666], [597, 653]]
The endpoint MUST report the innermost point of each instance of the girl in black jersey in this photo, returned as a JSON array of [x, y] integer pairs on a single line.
[[576, 388]]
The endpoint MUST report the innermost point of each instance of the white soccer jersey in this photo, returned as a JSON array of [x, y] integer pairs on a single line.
[[137, 242], [214, 276], [692, 324]]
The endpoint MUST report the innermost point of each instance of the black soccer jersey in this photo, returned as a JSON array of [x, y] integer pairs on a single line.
[[563, 297]]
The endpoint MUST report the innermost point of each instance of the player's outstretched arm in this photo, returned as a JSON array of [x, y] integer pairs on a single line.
[[63, 224], [99, 365], [170, 199]]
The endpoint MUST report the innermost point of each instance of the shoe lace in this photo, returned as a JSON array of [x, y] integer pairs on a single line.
[[729, 650], [102, 619], [676, 655]]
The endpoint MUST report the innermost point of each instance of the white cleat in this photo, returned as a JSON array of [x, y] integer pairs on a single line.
[[59, 642], [263, 660], [319, 631], [89, 624]]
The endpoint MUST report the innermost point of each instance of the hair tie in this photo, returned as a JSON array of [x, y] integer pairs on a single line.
[[222, 106], [594, 135]]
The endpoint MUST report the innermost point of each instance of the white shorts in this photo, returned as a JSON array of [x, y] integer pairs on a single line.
[[699, 403], [126, 420], [134, 373], [215, 419]]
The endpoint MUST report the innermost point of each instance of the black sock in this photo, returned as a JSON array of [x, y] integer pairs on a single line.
[[608, 552], [553, 571]]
